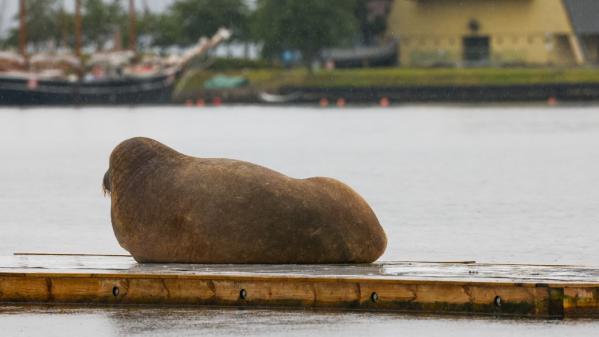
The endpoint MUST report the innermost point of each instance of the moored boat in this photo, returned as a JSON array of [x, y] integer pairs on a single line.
[[31, 89], [116, 77], [132, 85]]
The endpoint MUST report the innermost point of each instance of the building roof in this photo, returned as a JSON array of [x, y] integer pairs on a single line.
[[585, 15]]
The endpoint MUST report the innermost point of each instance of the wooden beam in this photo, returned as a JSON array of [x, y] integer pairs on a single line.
[[553, 292], [132, 26], [78, 27]]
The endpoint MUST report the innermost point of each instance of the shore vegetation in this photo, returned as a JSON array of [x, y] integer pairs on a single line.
[[273, 79]]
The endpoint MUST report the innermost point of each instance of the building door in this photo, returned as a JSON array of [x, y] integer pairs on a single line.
[[476, 50]]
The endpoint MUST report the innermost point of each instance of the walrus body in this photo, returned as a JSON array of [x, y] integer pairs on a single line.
[[171, 208]]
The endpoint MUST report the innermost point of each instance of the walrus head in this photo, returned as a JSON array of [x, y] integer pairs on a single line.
[[132, 155]]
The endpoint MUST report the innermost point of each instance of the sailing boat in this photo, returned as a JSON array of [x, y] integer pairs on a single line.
[[126, 85]]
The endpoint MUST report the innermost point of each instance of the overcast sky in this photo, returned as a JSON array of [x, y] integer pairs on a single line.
[[8, 9]]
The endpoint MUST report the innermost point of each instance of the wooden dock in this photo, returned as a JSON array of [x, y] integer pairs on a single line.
[[463, 288]]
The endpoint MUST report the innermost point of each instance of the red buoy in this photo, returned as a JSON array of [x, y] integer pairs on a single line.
[[324, 102], [552, 101], [200, 103], [217, 101], [341, 102]]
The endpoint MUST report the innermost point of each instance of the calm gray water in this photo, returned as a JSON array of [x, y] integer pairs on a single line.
[[491, 184], [148, 322]]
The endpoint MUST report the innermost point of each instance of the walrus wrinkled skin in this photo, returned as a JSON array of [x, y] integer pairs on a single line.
[[171, 208]]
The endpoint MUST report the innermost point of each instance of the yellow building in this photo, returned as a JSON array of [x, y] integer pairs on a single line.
[[495, 32]]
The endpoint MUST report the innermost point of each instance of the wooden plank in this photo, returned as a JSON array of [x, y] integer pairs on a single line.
[[580, 302], [68, 254], [19, 288], [440, 288]]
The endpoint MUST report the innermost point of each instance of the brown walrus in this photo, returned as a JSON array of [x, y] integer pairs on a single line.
[[171, 208]]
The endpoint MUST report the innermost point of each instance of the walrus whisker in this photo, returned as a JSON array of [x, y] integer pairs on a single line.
[[105, 191]]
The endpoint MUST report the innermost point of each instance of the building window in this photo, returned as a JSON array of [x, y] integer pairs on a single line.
[[477, 50]]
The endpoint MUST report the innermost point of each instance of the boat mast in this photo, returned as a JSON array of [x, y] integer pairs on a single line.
[[78, 28], [132, 26], [64, 26], [22, 28]]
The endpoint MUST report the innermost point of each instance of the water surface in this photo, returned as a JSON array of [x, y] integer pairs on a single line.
[[491, 184], [152, 322]]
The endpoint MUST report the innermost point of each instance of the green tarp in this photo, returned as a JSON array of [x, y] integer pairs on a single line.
[[225, 82]]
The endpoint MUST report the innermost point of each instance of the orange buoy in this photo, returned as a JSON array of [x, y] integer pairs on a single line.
[[384, 102], [341, 102], [324, 102], [552, 101], [200, 102], [217, 101]]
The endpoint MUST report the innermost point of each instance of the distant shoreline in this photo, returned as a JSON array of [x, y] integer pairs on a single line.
[[371, 86], [400, 85], [583, 92]]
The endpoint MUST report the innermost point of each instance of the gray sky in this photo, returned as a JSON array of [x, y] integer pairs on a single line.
[[8, 9]]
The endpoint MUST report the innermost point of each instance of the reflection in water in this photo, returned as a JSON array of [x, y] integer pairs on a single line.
[[148, 322]]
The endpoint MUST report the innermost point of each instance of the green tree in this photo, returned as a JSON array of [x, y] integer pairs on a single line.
[[65, 27], [370, 27], [148, 24], [304, 25], [188, 20], [164, 29], [101, 20], [42, 22]]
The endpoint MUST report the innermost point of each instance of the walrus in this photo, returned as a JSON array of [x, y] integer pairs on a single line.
[[167, 207]]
